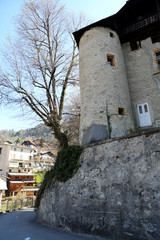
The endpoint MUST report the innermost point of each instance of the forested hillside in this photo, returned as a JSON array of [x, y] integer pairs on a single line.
[[40, 131]]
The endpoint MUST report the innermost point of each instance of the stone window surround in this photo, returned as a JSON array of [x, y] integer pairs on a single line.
[[110, 60], [157, 59]]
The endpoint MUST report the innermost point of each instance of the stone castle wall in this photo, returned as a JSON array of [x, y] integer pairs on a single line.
[[143, 78], [133, 79], [115, 193]]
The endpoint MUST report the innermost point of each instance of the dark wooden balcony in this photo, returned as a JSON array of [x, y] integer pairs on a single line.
[[141, 24]]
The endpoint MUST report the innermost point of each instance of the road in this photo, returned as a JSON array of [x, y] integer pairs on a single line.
[[22, 225]]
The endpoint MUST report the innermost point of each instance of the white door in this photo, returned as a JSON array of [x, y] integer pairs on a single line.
[[144, 115]]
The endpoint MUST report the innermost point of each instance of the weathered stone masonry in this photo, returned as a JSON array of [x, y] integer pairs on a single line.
[[115, 193]]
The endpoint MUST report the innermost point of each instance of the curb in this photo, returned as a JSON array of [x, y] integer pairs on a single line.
[[15, 210]]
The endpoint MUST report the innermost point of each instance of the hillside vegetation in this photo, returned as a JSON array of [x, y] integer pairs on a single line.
[[40, 131]]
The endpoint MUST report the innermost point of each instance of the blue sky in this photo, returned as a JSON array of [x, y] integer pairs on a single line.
[[94, 9]]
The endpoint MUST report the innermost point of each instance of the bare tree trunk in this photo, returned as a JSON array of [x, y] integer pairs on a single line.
[[59, 134]]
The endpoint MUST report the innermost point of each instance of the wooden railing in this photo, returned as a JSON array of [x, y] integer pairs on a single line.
[[142, 23]]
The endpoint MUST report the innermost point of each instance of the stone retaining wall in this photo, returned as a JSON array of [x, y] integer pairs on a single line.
[[115, 193]]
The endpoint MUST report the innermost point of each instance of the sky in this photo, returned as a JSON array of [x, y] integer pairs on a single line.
[[9, 9]]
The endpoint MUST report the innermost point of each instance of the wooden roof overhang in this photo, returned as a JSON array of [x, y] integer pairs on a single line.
[[106, 22], [136, 20]]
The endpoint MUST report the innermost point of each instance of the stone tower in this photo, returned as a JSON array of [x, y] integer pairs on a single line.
[[120, 72], [105, 98]]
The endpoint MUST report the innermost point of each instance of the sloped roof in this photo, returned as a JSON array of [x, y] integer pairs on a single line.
[[137, 20], [106, 22], [28, 142], [46, 155]]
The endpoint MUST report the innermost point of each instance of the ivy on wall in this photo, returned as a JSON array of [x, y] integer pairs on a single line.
[[66, 165]]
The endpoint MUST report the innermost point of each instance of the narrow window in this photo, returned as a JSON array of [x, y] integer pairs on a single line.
[[145, 108], [121, 111], [20, 164], [15, 149], [140, 109], [111, 35], [110, 60], [135, 45], [0, 150], [158, 59]]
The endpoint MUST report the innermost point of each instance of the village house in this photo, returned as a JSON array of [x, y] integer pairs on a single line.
[[20, 162], [29, 144], [15, 158], [119, 62], [16, 162], [21, 182], [43, 161]]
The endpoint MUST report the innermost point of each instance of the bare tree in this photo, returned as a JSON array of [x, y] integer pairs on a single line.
[[71, 121], [41, 63]]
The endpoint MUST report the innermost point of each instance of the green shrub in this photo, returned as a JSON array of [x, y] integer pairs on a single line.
[[39, 176], [49, 175], [66, 165]]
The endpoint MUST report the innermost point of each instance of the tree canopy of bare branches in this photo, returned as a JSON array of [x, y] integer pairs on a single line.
[[40, 64]]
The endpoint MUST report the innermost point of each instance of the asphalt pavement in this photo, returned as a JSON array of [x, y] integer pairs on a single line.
[[22, 225]]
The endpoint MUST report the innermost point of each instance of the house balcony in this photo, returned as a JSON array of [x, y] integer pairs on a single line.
[[21, 159], [26, 166], [16, 166], [21, 176], [141, 24], [17, 160], [21, 181], [20, 168]]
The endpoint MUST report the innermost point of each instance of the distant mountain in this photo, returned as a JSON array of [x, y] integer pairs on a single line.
[[40, 131]]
